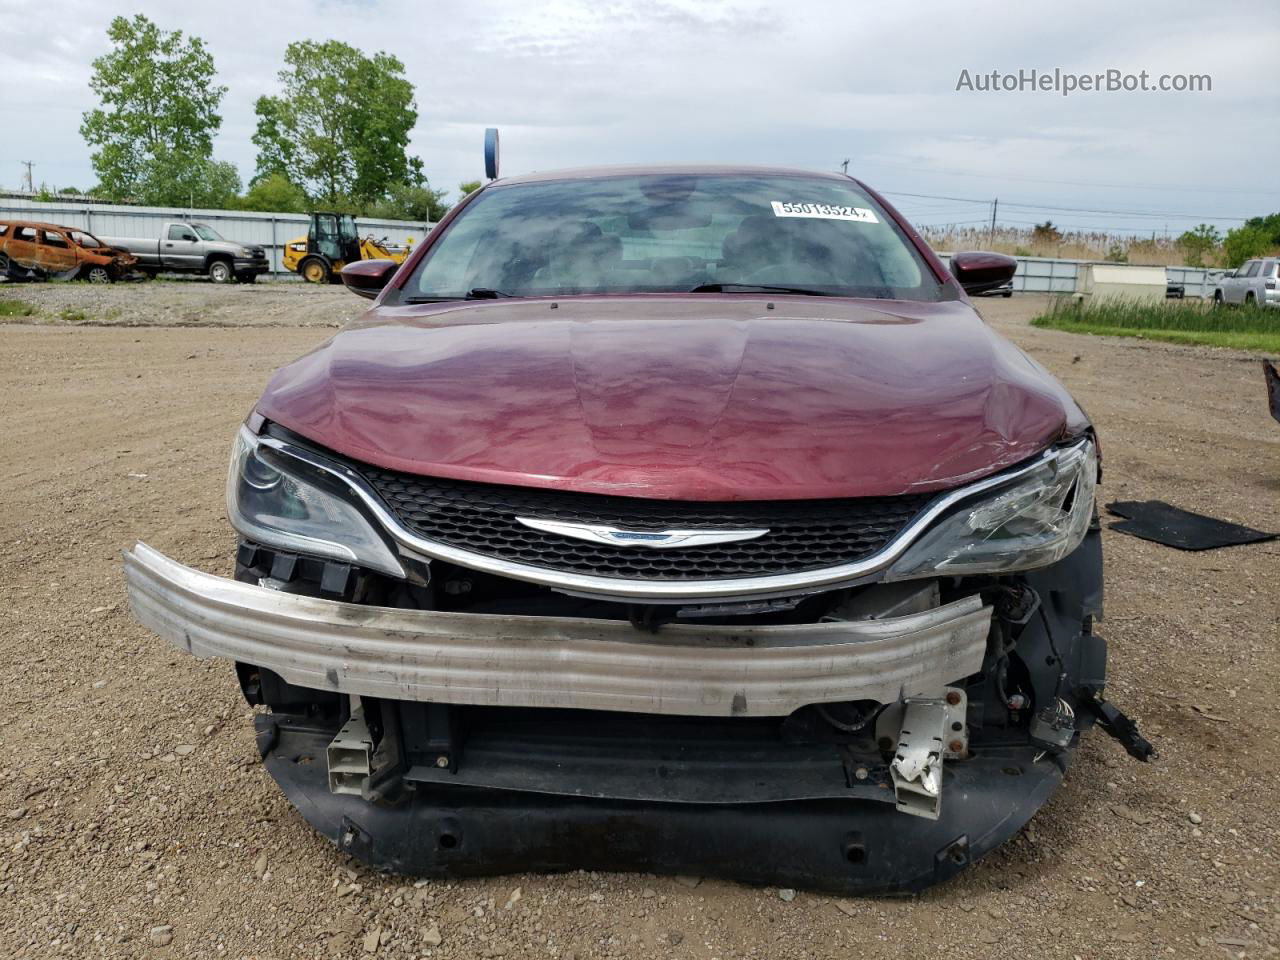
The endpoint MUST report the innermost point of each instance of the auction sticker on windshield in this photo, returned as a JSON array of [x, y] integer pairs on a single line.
[[823, 211]]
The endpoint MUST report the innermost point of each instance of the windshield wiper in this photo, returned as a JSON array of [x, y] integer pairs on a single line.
[[759, 288], [475, 293]]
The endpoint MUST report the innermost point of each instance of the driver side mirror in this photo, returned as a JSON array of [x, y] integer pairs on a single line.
[[979, 272], [366, 278]]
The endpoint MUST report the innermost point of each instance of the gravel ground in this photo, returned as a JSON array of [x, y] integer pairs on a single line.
[[186, 301], [136, 820]]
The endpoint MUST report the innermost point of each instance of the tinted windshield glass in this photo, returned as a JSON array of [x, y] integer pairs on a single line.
[[206, 232], [662, 234]]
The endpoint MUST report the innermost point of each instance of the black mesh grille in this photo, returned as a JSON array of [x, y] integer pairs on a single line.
[[803, 534]]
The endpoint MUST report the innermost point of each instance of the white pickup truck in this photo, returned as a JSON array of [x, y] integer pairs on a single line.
[[193, 247]]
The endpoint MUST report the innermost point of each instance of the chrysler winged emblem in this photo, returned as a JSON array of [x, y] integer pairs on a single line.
[[654, 539]]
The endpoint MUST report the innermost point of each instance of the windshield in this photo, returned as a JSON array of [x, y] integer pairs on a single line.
[[86, 239], [674, 233], [206, 232]]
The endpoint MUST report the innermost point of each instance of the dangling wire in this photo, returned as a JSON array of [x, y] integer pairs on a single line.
[[842, 725]]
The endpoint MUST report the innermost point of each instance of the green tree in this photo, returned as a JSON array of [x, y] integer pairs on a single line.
[[275, 193], [468, 186], [159, 111], [1117, 253], [340, 127], [1246, 242], [1046, 233], [1269, 225], [404, 202], [210, 184], [1196, 243]]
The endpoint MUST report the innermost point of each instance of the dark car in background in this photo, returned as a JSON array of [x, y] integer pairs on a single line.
[[667, 519]]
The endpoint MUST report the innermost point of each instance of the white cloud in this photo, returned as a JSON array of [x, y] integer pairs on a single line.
[[807, 83]]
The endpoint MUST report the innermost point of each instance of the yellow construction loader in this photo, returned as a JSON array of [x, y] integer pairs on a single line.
[[333, 241]]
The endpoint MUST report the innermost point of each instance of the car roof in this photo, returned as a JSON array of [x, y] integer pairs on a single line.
[[639, 170], [39, 225]]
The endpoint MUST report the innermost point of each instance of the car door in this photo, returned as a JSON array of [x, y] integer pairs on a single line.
[[1247, 279], [56, 252], [327, 240], [179, 248], [22, 246], [1228, 283]]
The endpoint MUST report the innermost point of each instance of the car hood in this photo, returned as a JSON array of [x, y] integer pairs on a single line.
[[678, 397]]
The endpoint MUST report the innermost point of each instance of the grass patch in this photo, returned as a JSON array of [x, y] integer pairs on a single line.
[[16, 308], [1173, 321], [73, 315]]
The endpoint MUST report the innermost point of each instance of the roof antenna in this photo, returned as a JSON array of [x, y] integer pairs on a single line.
[[844, 165], [491, 153]]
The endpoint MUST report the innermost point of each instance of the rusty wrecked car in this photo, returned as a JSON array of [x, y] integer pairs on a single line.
[[40, 251], [680, 520]]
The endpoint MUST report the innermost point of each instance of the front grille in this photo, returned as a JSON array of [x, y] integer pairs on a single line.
[[803, 534]]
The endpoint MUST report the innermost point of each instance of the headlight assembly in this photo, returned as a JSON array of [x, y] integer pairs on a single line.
[[272, 502], [1032, 523]]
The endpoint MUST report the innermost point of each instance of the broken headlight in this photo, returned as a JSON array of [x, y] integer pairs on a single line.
[[273, 501], [1032, 523]]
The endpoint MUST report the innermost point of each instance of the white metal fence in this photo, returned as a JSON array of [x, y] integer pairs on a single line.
[[1046, 275], [269, 230], [274, 230]]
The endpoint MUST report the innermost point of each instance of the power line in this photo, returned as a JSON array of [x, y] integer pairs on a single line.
[[1167, 187], [951, 223], [1081, 227], [1127, 213], [934, 196], [1050, 207]]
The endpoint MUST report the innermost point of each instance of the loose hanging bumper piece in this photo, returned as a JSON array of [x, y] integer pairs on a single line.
[[1123, 728]]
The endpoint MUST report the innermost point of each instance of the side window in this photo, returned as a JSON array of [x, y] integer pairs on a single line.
[[1253, 266], [53, 239], [4, 228], [326, 237], [178, 231], [26, 233], [1271, 269]]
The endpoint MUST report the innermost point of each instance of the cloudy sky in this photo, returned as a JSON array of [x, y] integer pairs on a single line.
[[800, 82]]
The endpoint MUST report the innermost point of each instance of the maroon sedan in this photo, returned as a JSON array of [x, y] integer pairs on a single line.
[[666, 519]]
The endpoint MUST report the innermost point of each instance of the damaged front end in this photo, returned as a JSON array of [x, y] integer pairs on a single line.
[[469, 679]]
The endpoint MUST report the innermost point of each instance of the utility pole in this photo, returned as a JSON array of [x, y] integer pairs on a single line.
[[30, 184], [844, 165], [995, 204]]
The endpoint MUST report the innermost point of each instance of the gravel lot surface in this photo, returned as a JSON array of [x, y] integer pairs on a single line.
[[183, 301], [136, 821]]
